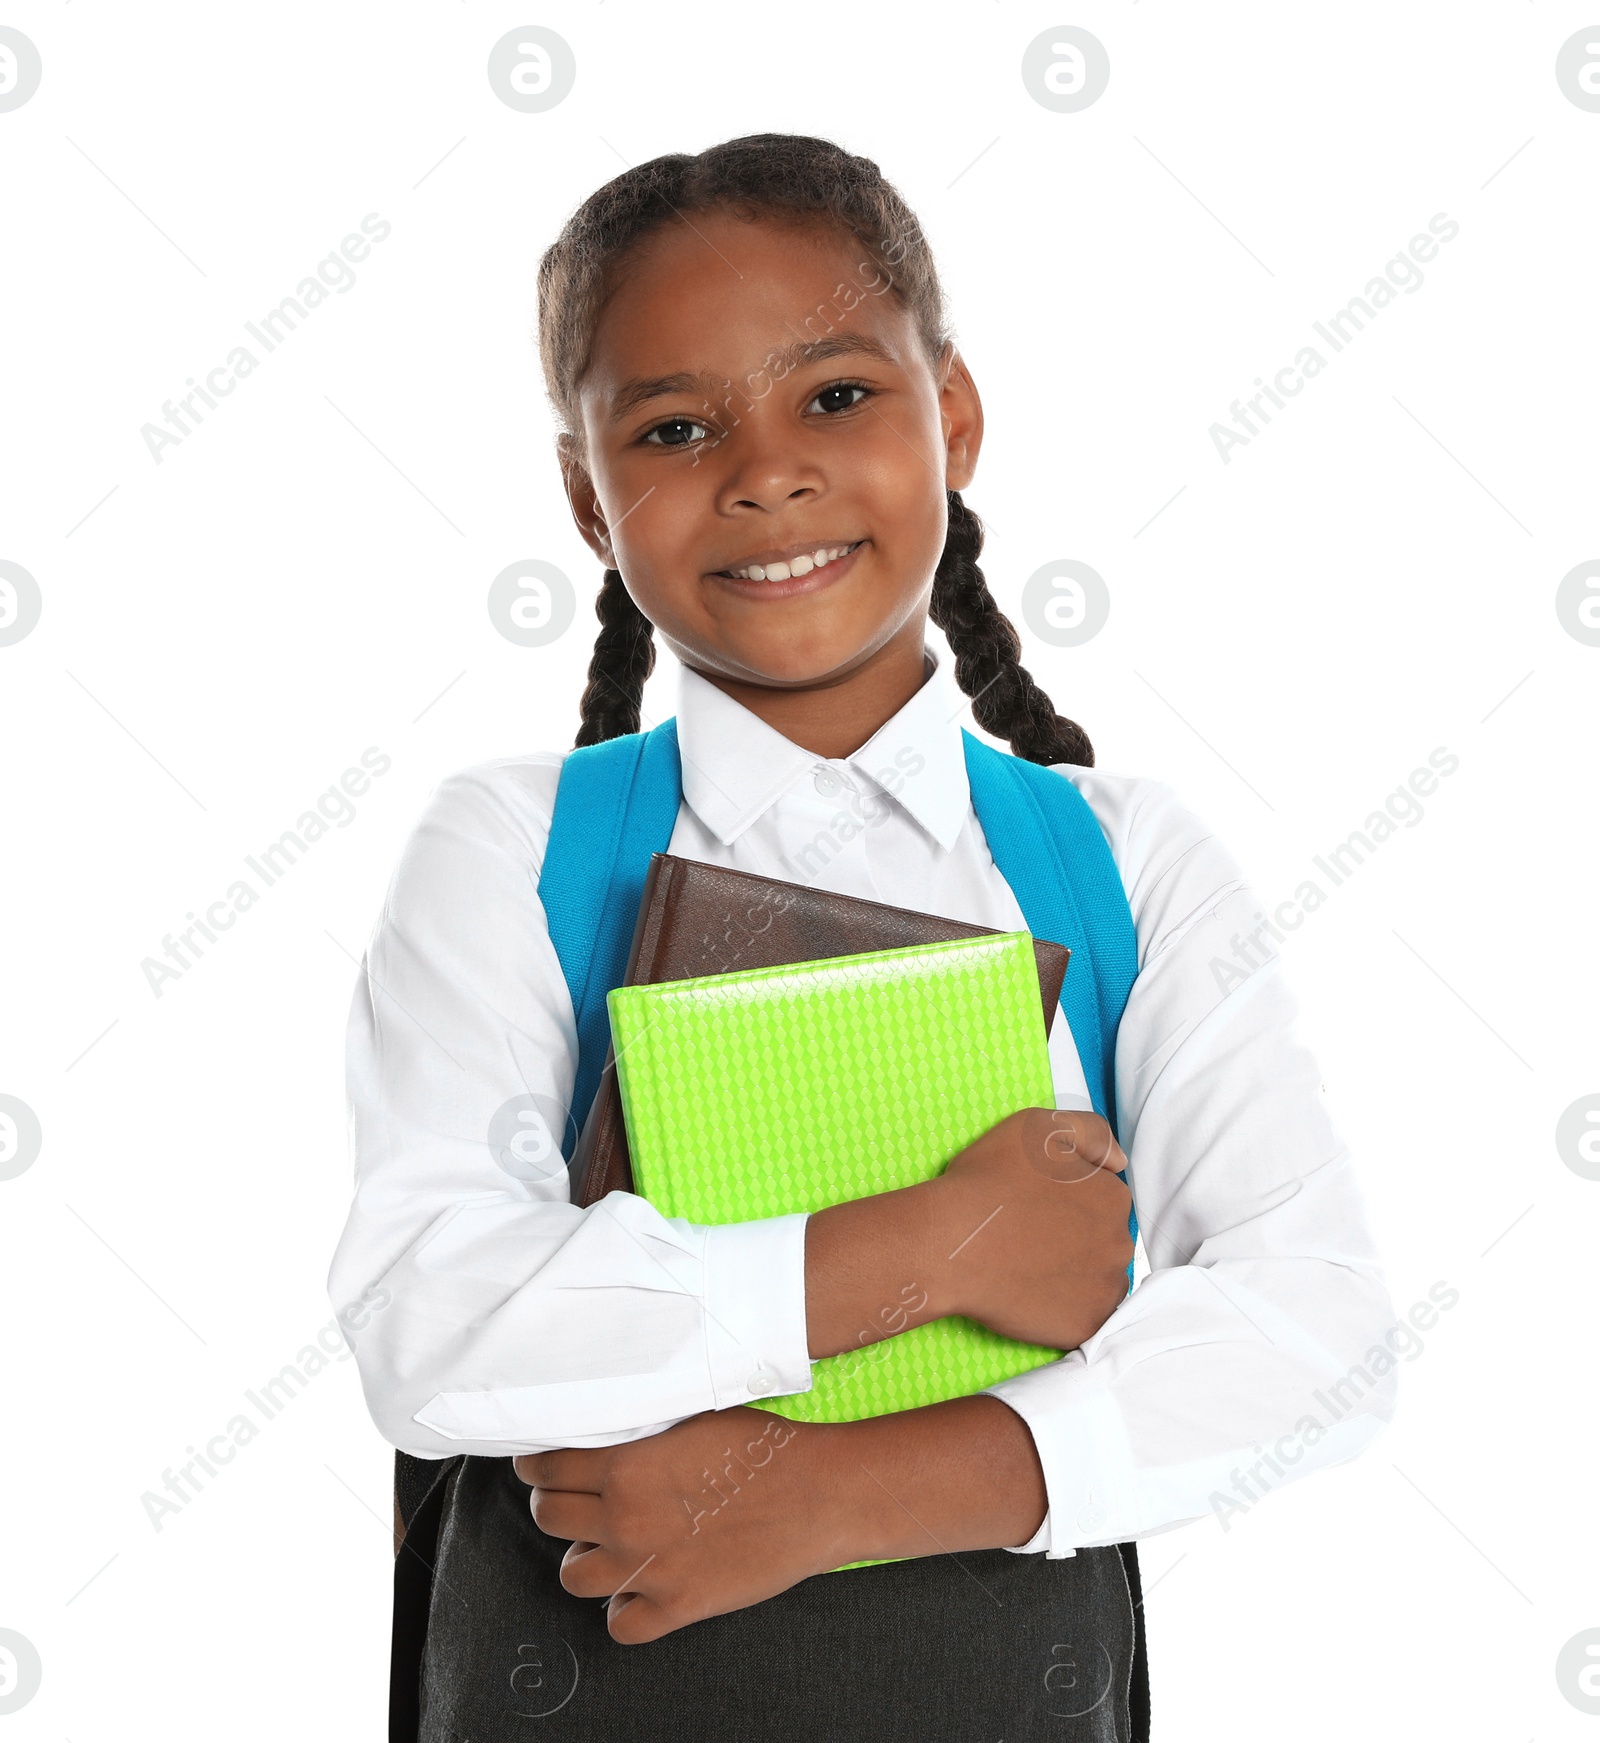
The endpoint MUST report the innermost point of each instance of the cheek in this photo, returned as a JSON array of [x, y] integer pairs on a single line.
[[656, 520], [658, 548], [909, 507]]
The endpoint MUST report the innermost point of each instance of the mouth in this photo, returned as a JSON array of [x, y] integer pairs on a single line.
[[780, 574]]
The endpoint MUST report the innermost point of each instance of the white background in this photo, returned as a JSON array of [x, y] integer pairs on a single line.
[[305, 576]]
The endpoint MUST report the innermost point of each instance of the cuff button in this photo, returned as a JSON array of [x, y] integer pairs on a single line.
[[762, 1381]]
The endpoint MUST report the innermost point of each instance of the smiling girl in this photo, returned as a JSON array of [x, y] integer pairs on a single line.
[[764, 430]]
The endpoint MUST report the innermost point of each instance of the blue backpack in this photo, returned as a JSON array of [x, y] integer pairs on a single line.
[[617, 803]]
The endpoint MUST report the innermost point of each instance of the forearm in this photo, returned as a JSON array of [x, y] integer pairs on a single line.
[[960, 1475], [873, 1268]]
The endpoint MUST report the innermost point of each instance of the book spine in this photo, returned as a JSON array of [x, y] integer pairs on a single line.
[[649, 930], [674, 884]]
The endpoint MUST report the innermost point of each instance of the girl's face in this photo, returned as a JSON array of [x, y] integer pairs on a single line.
[[757, 399]]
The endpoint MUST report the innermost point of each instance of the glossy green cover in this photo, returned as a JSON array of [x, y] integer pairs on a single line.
[[773, 1090]]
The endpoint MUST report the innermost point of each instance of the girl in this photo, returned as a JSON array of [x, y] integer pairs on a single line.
[[765, 428]]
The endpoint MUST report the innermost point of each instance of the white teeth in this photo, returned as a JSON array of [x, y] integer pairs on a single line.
[[801, 565]]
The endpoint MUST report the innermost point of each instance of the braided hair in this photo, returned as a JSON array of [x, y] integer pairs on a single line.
[[791, 178]]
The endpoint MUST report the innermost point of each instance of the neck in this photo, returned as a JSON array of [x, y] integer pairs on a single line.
[[836, 716]]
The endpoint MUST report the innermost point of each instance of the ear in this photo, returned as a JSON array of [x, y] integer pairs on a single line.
[[587, 514], [961, 414]]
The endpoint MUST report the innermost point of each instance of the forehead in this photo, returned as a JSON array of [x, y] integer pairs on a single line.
[[715, 295]]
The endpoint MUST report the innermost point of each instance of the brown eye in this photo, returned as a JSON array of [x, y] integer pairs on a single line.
[[676, 433], [837, 398]]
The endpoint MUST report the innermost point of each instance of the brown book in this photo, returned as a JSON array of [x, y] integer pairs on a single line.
[[697, 919]]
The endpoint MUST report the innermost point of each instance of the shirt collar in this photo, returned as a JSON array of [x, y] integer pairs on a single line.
[[735, 766]]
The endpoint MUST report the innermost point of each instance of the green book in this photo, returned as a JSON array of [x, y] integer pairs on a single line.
[[773, 1090]]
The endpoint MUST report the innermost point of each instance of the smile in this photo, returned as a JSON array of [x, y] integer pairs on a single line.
[[791, 564]]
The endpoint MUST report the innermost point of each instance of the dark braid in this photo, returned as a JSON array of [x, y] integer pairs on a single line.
[[790, 178], [624, 656], [1005, 700]]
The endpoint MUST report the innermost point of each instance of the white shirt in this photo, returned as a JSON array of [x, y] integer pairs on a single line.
[[517, 1322]]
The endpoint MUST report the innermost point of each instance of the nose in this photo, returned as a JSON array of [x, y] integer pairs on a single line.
[[766, 471]]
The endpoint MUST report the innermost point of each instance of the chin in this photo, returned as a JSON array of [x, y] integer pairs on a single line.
[[785, 672]]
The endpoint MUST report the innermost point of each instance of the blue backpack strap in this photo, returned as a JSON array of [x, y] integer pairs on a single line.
[[616, 804], [1050, 848]]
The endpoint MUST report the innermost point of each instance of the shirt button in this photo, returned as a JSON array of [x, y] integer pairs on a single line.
[[826, 782], [1092, 1517], [763, 1381]]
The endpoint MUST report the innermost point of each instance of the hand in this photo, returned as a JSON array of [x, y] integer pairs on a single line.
[[719, 1511], [1038, 1225], [1025, 1231], [653, 1535]]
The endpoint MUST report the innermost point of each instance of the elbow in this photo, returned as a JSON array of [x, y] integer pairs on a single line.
[[393, 1395], [406, 1381], [1362, 1388], [1405, 1338], [394, 1418], [395, 1401]]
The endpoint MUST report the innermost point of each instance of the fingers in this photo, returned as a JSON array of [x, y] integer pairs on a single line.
[[574, 1467], [589, 1570], [633, 1618], [1081, 1143], [561, 1513]]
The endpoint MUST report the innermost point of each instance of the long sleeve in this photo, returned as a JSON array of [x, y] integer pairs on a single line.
[[489, 1314], [1254, 1351]]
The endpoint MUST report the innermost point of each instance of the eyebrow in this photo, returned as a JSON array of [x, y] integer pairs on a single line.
[[633, 394]]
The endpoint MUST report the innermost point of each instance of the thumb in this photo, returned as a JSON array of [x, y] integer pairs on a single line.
[[1080, 1144]]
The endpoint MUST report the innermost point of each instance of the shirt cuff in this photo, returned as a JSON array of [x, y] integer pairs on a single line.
[[755, 1303], [1084, 1451]]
